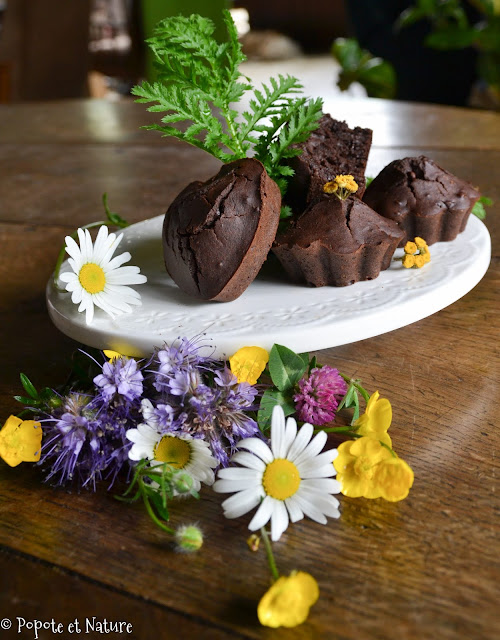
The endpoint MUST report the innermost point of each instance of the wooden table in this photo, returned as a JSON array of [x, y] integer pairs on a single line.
[[423, 568]]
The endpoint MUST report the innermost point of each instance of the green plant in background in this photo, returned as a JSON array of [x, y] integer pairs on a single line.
[[451, 29], [377, 76]]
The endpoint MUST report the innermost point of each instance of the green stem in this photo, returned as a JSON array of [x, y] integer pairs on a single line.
[[151, 512], [269, 552], [232, 129], [357, 386]]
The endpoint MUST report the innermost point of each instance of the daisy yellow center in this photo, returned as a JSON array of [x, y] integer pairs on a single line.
[[92, 277], [174, 451], [281, 479], [363, 467]]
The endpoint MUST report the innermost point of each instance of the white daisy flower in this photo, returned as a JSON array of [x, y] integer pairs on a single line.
[[99, 279], [185, 453], [289, 480]]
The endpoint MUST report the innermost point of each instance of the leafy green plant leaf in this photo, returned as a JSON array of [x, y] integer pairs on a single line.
[[28, 386], [285, 367], [479, 208], [269, 400], [358, 65]]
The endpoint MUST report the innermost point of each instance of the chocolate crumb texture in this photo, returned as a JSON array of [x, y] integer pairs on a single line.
[[332, 149]]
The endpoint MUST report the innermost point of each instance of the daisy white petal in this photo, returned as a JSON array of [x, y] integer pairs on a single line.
[[278, 432], [290, 434], [254, 445], [248, 460], [322, 484], [327, 504], [313, 448], [279, 520], [241, 503], [301, 441], [324, 471], [294, 510], [310, 509], [228, 486], [263, 514], [238, 473], [117, 261]]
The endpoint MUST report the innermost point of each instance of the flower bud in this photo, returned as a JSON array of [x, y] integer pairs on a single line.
[[188, 538], [183, 482]]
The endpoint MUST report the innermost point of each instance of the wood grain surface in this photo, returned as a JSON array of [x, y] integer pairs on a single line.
[[425, 568]]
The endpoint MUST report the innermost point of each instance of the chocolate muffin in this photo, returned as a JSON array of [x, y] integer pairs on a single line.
[[332, 149], [336, 243], [424, 199], [217, 233]]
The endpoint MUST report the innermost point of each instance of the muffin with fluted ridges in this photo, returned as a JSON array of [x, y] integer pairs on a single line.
[[424, 199]]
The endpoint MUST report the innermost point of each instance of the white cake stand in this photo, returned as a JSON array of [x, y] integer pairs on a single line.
[[272, 310]]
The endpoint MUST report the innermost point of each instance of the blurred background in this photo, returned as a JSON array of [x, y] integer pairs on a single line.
[[437, 51]]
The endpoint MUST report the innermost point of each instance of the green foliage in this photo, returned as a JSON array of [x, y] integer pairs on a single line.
[[358, 65], [286, 368], [451, 29], [292, 125], [479, 208], [199, 81], [36, 401], [155, 496]]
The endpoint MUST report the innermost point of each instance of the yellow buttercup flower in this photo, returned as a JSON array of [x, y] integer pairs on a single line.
[[288, 600], [113, 355], [394, 478], [248, 363], [376, 419], [420, 243], [20, 441], [356, 464]]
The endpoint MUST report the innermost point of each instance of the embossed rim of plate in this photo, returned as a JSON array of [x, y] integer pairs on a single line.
[[268, 312]]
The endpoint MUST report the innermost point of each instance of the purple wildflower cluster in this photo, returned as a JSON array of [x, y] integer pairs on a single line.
[[85, 437], [179, 391], [319, 394], [196, 396]]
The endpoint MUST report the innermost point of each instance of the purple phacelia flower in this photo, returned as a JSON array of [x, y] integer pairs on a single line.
[[121, 377], [318, 396]]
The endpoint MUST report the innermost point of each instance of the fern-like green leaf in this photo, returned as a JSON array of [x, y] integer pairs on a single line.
[[198, 82]]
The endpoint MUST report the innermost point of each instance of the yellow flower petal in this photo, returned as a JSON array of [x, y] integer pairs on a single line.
[[288, 600], [356, 467], [248, 363], [419, 261], [20, 441], [420, 243], [410, 247], [394, 477], [376, 420], [112, 355], [408, 261]]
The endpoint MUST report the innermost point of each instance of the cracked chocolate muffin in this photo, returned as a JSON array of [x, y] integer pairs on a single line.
[[217, 233], [336, 243], [424, 199], [332, 149]]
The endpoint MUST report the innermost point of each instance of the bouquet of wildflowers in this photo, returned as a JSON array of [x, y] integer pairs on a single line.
[[255, 427]]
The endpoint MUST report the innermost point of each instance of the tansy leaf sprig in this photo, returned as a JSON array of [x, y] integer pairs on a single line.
[[199, 82]]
